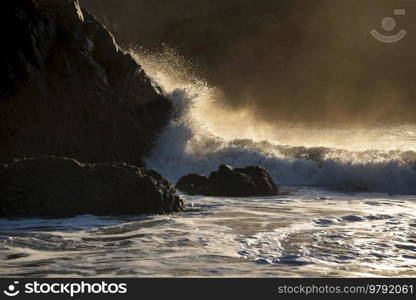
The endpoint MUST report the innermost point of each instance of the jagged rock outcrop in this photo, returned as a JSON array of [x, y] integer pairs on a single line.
[[62, 187], [227, 181], [67, 89]]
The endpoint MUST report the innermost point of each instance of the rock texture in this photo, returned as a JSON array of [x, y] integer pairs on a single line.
[[62, 187], [67, 89], [227, 181]]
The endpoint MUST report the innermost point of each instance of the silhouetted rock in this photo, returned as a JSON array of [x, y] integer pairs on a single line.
[[62, 187], [227, 181], [67, 89], [193, 184]]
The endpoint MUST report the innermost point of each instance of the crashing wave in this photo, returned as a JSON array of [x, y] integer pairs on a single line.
[[187, 145]]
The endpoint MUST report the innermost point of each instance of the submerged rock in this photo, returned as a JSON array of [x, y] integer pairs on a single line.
[[62, 187], [67, 89], [227, 181]]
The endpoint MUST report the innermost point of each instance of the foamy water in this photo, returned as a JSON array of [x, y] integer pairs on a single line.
[[350, 210], [309, 233]]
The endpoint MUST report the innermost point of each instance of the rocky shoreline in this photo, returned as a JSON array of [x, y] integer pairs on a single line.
[[77, 117], [69, 93]]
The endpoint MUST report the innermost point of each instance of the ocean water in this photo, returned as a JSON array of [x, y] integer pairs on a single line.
[[348, 207], [309, 233]]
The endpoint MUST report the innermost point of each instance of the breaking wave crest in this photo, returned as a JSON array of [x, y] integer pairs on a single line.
[[188, 145]]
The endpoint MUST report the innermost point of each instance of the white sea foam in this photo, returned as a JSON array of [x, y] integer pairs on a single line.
[[310, 233]]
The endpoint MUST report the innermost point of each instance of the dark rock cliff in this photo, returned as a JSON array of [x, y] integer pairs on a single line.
[[67, 89]]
